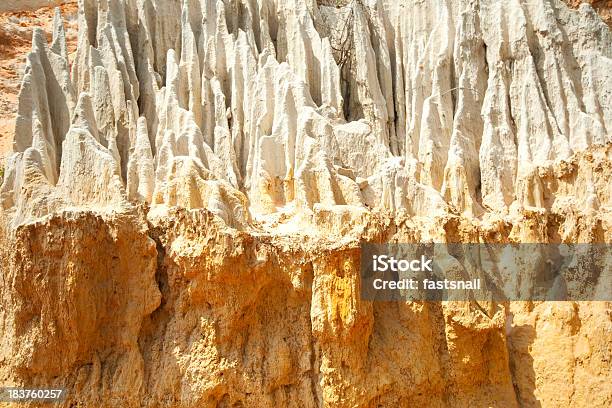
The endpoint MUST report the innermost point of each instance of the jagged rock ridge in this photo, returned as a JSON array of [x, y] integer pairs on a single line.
[[252, 108]]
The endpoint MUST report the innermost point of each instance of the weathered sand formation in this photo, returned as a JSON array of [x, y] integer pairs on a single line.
[[194, 105], [15, 43], [185, 200]]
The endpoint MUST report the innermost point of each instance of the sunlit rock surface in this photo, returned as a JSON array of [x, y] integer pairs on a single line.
[[184, 204]]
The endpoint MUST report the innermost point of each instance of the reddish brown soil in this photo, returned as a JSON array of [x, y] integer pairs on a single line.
[[603, 7]]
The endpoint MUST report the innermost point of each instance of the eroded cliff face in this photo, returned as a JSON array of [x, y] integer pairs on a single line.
[[185, 311], [184, 205]]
